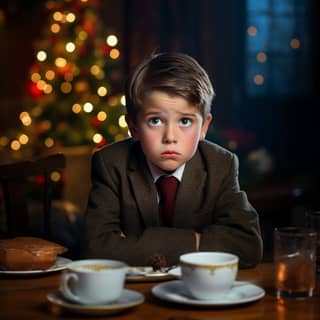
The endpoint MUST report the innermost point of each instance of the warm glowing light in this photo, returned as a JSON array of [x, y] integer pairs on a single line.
[[95, 69], [81, 86], [258, 79], [58, 16], [35, 77], [25, 118], [113, 101], [41, 55], [47, 89], [55, 176], [70, 17], [55, 28], [15, 145], [88, 107], [49, 142], [100, 75], [102, 91], [123, 100], [252, 31], [76, 108], [82, 35], [114, 53], [102, 116], [50, 74], [84, 0], [4, 141], [261, 57], [112, 40], [60, 62], [295, 43], [97, 138], [23, 139], [41, 84], [122, 122], [66, 87], [70, 47]]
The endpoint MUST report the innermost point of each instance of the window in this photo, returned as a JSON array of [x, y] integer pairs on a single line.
[[278, 54]]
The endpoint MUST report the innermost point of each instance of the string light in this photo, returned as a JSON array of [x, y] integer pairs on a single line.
[[50, 74], [88, 107], [258, 79], [55, 176], [114, 53], [112, 40], [35, 77], [122, 122], [55, 28], [252, 31], [70, 17], [102, 91], [70, 47], [57, 16], [76, 108], [49, 142], [25, 118], [102, 116], [41, 55], [23, 139], [295, 43], [261, 57], [66, 87], [60, 62], [123, 100], [15, 145], [97, 138]]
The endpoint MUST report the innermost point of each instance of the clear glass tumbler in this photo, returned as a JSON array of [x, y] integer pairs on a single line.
[[313, 222], [295, 259]]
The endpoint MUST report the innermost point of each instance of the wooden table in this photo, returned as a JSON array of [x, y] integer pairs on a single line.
[[25, 298]]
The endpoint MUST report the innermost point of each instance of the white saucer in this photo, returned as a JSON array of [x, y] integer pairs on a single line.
[[241, 292], [60, 264], [128, 299]]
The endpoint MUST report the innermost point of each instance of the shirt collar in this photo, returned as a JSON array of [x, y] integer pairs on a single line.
[[157, 173]]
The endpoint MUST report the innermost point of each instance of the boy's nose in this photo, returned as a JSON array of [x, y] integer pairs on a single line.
[[169, 135]]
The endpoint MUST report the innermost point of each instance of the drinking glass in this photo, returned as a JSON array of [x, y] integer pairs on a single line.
[[295, 259], [313, 222]]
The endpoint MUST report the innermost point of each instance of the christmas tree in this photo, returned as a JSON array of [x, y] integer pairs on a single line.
[[73, 94]]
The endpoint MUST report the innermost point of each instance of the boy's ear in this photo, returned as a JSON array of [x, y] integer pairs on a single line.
[[205, 126], [132, 128]]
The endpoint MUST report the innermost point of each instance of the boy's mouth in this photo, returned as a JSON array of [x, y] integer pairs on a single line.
[[169, 154]]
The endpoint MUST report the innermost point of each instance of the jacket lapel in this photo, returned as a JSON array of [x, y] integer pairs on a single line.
[[143, 187], [190, 193]]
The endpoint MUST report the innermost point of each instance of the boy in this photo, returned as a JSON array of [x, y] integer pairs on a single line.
[[168, 113]]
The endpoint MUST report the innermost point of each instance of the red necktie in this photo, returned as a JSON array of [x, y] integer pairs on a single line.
[[167, 187]]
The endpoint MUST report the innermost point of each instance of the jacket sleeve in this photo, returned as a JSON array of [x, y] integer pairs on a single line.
[[236, 226]]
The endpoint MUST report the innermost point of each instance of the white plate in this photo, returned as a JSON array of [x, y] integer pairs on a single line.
[[128, 299], [59, 265], [145, 274], [241, 292]]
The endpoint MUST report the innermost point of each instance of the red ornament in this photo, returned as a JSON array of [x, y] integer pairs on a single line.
[[39, 180], [102, 143], [34, 90], [95, 122], [105, 49]]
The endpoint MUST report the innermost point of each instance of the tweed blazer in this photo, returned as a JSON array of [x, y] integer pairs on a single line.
[[122, 218]]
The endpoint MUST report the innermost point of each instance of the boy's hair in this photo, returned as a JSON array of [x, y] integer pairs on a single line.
[[176, 74]]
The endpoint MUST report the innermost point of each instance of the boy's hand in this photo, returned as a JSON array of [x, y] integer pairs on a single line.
[[198, 238]]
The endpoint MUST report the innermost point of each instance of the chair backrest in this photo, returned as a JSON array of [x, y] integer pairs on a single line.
[[14, 180]]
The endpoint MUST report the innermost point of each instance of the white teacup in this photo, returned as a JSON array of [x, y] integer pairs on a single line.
[[208, 275], [93, 281]]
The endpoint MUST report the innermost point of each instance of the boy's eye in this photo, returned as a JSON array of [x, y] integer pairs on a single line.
[[186, 122], [154, 121]]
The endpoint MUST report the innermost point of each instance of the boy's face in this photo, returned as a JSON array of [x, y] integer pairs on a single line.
[[169, 129]]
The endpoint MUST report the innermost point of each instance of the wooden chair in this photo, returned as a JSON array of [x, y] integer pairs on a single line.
[[14, 179]]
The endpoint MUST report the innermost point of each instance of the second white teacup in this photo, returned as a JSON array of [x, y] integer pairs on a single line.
[[208, 275], [93, 281]]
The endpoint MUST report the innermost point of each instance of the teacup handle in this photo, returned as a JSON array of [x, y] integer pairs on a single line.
[[65, 279]]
